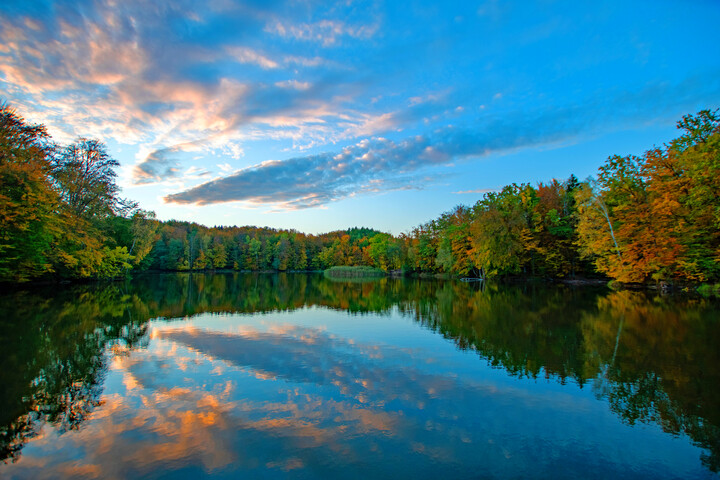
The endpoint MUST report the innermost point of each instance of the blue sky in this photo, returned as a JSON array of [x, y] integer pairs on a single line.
[[324, 115]]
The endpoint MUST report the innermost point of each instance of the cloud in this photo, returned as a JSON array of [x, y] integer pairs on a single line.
[[247, 55], [315, 180], [375, 165], [122, 71], [158, 166], [325, 32], [305, 61], [380, 165], [233, 150], [477, 190], [81, 53], [293, 84], [196, 172]]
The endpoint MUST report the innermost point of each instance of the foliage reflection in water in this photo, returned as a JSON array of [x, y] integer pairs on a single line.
[[221, 374]]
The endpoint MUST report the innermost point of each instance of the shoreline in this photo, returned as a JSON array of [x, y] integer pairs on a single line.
[[705, 290]]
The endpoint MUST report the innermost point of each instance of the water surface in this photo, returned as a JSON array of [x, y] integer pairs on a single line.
[[298, 376]]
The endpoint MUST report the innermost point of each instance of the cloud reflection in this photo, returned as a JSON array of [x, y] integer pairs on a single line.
[[292, 401]]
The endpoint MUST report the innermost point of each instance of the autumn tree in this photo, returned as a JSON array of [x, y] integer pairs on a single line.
[[455, 245], [28, 203], [684, 185], [554, 228], [501, 231], [596, 234], [659, 210]]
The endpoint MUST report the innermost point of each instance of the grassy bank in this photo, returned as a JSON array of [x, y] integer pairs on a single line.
[[353, 272], [708, 290]]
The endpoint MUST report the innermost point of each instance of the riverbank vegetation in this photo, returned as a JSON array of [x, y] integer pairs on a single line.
[[653, 218], [354, 272]]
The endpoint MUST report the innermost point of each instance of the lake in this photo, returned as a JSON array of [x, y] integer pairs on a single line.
[[300, 376]]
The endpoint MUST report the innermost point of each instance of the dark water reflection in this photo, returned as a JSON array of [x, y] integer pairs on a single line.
[[142, 379]]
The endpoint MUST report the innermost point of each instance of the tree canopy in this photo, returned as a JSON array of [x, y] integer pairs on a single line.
[[59, 207]]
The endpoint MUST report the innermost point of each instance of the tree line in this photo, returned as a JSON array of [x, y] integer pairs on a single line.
[[650, 218]]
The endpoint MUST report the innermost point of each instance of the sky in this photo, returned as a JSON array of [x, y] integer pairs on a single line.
[[320, 116]]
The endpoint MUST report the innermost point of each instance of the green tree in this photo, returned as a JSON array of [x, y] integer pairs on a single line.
[[85, 176], [220, 256], [554, 228], [29, 222], [253, 260], [685, 183], [501, 233]]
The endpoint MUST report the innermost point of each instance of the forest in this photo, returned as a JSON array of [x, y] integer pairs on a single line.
[[643, 219]]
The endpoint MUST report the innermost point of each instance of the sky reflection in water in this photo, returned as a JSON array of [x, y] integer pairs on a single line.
[[319, 393]]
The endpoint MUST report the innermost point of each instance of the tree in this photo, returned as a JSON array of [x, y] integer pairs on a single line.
[[595, 229], [219, 254], [282, 254], [144, 234], [444, 259], [684, 187], [554, 227], [501, 233], [80, 253], [698, 129], [28, 204], [660, 210], [253, 260], [85, 177], [138, 234]]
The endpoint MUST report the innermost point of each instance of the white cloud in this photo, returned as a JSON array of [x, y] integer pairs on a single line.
[[326, 32]]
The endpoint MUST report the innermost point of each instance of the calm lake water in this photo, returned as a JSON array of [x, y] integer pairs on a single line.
[[298, 376]]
